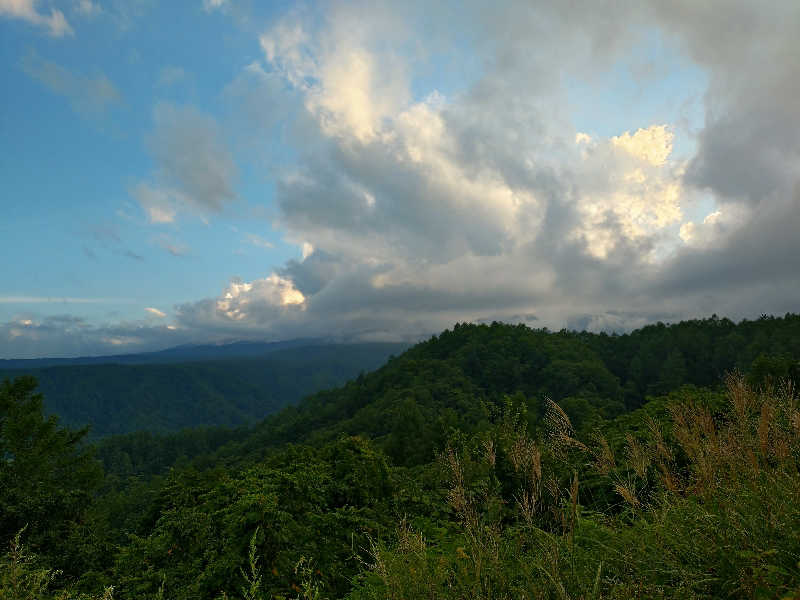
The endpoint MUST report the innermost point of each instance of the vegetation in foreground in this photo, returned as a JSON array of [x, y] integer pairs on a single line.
[[693, 494]]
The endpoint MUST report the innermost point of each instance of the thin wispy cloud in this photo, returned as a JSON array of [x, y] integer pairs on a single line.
[[258, 241], [88, 95], [61, 300], [54, 23]]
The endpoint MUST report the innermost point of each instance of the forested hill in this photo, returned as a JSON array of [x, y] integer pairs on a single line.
[[176, 354], [455, 379], [122, 398], [445, 474]]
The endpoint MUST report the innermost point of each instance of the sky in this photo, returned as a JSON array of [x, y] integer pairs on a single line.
[[214, 170]]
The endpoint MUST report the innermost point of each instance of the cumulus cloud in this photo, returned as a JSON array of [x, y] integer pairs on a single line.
[[425, 209], [55, 23]]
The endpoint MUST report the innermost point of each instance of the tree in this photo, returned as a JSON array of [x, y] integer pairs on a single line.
[[47, 475]]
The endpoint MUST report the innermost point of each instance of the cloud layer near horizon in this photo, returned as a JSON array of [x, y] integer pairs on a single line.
[[416, 209]]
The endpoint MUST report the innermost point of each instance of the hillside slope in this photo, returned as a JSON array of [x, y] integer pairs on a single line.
[[456, 380], [121, 398]]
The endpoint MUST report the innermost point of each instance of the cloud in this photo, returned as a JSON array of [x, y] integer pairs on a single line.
[[417, 201], [87, 8], [173, 247], [60, 300], [423, 209], [195, 171], [68, 335], [89, 96], [107, 237], [212, 5], [55, 23], [159, 205], [258, 241], [156, 312]]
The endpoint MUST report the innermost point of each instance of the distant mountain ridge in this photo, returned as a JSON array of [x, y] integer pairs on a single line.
[[183, 387], [182, 353]]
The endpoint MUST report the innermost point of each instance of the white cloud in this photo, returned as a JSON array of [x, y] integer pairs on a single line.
[[258, 241], [154, 311], [212, 5], [634, 183], [240, 298], [420, 210], [158, 204], [55, 23], [652, 145]]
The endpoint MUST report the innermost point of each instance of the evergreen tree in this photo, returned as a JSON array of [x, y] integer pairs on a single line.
[[47, 476]]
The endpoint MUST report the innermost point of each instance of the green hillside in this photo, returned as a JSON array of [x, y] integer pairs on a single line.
[[122, 398], [489, 462], [458, 379]]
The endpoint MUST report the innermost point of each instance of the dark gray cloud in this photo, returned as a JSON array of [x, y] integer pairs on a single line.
[[750, 146], [191, 156], [195, 170]]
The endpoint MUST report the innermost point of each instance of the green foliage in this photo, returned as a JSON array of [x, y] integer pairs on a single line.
[[119, 398], [711, 512], [491, 461], [322, 502], [47, 475], [23, 577]]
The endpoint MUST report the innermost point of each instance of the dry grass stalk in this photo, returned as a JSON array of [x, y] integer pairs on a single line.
[[457, 495], [604, 461], [573, 509], [764, 423], [560, 430], [638, 456], [670, 480], [740, 396], [662, 451], [525, 457], [409, 541], [526, 503], [489, 452], [628, 493]]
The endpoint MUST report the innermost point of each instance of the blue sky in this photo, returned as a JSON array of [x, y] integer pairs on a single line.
[[70, 161], [204, 170]]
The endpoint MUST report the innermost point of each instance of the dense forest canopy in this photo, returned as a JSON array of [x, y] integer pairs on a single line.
[[491, 461], [161, 392]]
